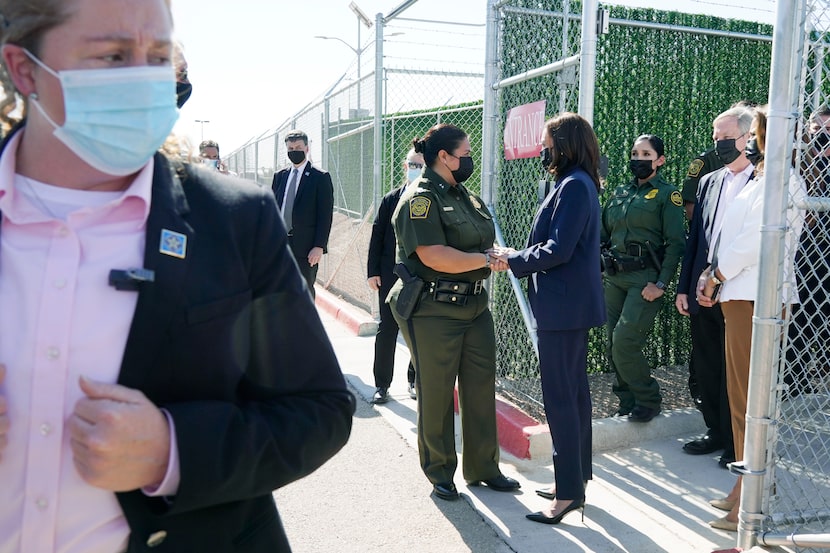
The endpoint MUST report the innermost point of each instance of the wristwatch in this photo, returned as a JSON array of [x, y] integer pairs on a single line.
[[660, 284], [487, 260]]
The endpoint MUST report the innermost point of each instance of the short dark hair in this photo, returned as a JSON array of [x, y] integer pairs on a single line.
[[655, 141], [574, 144], [296, 135], [440, 137], [208, 144], [822, 111]]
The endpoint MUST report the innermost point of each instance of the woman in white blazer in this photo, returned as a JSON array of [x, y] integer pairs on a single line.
[[735, 270]]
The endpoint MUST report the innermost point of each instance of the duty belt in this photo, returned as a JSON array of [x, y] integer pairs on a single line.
[[626, 265], [454, 291], [461, 287]]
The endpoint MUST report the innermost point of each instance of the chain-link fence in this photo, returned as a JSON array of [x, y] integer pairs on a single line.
[[786, 495], [656, 72], [430, 73]]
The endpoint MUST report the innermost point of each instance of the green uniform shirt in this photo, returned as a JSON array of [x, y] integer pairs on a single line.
[[703, 164], [432, 212], [651, 212]]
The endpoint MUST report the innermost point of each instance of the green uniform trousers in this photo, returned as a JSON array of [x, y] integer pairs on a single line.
[[446, 342], [630, 319]]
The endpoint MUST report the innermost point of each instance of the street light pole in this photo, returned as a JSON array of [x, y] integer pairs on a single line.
[[202, 123], [362, 19]]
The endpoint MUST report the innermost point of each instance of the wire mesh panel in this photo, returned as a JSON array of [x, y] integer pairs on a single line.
[[432, 73], [529, 38], [798, 485], [655, 73]]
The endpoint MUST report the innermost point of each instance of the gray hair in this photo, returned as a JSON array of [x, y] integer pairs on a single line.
[[743, 115]]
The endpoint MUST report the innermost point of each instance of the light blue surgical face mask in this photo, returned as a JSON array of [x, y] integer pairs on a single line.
[[115, 119], [412, 174]]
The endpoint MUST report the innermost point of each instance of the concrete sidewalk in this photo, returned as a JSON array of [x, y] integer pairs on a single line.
[[646, 497]]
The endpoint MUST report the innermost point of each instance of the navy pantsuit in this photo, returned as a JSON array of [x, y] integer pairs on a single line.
[[566, 296], [567, 406]]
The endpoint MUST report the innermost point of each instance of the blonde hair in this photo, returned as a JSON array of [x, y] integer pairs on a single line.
[[24, 24]]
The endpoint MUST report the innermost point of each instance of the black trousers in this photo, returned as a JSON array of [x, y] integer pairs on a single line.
[[709, 365], [387, 337], [563, 357], [309, 273]]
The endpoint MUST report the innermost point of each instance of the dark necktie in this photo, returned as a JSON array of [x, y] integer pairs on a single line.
[[288, 207]]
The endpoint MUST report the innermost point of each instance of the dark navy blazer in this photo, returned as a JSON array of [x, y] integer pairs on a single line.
[[563, 257], [695, 259]]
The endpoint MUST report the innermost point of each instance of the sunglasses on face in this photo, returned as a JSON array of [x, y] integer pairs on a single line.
[[413, 165]]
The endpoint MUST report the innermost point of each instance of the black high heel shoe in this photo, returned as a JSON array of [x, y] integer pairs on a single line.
[[548, 494], [575, 504]]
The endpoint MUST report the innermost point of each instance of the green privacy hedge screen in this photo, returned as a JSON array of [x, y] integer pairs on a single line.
[[664, 82]]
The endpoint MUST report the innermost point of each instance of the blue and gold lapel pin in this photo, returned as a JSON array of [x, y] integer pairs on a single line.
[[173, 244]]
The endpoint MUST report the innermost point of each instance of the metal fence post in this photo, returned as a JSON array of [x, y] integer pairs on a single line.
[[588, 60], [377, 161], [767, 320], [491, 102]]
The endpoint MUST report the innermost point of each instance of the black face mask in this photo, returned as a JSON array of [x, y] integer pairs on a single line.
[[465, 169], [641, 168], [296, 156], [183, 92], [726, 150], [547, 159], [752, 153]]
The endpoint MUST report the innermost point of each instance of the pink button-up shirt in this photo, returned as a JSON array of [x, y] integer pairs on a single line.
[[59, 319]]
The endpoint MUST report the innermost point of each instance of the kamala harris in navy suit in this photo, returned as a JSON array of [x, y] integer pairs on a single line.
[[562, 261]]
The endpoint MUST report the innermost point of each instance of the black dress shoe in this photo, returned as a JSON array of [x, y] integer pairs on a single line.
[[556, 519], [703, 446], [643, 414], [381, 395], [725, 459], [546, 493], [550, 493], [500, 483], [445, 490]]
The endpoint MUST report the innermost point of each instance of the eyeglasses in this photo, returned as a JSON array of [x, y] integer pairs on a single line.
[[413, 165]]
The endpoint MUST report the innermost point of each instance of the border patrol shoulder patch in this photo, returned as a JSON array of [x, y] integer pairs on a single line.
[[676, 198], [419, 207], [694, 168]]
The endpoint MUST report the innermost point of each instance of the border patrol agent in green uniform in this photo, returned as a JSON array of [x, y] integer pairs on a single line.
[[702, 165], [643, 239], [442, 233]]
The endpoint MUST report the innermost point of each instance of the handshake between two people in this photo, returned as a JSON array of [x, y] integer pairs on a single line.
[[498, 258]]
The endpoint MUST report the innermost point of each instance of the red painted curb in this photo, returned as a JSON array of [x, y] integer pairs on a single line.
[[356, 320], [515, 428]]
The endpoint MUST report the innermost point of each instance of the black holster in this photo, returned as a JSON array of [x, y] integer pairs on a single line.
[[410, 294], [606, 260]]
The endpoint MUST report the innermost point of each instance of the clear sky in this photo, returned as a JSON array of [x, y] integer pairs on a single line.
[[253, 63]]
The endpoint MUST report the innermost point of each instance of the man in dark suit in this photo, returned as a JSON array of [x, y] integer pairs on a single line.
[[380, 277], [305, 197], [716, 191], [162, 368]]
